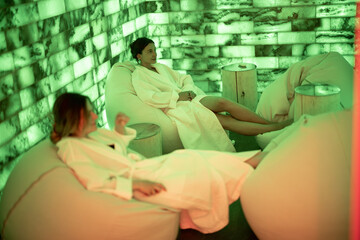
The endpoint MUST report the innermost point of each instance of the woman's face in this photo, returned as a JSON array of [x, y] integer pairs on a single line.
[[148, 55], [90, 121]]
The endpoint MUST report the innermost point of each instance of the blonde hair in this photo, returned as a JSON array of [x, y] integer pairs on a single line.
[[67, 113]]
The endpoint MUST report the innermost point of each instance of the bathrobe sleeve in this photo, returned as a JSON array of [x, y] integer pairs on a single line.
[[152, 91], [98, 167], [183, 81]]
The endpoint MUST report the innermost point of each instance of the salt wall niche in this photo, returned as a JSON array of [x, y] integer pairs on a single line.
[[53, 46]]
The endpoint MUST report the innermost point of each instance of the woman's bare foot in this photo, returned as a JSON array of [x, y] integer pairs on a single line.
[[256, 159], [285, 123]]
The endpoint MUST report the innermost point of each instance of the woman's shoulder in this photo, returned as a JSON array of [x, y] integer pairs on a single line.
[[139, 71], [76, 145], [102, 135], [67, 140], [161, 65], [70, 142], [99, 133], [138, 67], [68, 145]]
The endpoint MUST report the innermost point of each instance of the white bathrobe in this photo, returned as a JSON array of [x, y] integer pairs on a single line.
[[198, 127], [200, 184]]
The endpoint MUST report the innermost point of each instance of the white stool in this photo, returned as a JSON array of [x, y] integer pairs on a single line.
[[240, 84], [148, 139], [315, 99]]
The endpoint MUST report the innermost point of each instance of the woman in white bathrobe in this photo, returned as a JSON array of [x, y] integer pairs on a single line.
[[195, 114], [200, 184]]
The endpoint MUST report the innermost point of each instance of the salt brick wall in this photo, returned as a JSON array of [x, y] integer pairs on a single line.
[[200, 37], [50, 47]]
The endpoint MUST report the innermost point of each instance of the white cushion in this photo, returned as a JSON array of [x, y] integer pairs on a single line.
[[42, 199], [120, 96], [301, 188], [276, 102]]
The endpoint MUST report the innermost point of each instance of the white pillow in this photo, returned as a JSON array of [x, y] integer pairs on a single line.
[[301, 188]]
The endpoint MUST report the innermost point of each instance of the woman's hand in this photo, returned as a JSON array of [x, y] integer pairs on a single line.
[[120, 121], [147, 187], [186, 96]]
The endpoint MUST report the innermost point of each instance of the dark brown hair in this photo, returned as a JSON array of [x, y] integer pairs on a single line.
[[67, 114], [138, 46]]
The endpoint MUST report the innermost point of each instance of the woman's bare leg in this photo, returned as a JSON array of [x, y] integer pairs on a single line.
[[249, 128], [237, 111]]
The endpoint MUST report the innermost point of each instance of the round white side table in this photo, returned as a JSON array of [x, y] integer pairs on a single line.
[[314, 99], [240, 84], [148, 139]]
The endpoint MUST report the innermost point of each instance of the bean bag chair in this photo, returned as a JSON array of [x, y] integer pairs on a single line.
[[276, 102], [43, 199], [120, 96], [301, 188]]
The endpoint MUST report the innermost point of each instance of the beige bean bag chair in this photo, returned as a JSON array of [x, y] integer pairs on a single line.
[[301, 188], [120, 96], [42, 199], [275, 103]]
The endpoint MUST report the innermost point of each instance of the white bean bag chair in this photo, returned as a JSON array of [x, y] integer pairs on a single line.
[[43, 199], [120, 96], [301, 188], [275, 103]]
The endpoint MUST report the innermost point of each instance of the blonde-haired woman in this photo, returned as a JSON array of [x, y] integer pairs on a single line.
[[199, 184]]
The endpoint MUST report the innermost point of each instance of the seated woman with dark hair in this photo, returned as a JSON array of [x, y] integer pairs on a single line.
[[196, 115], [200, 184]]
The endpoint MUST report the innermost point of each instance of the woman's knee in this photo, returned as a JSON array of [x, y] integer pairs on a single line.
[[216, 104], [222, 103]]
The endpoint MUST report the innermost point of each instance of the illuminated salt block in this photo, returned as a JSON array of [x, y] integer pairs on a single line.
[[240, 84], [148, 139], [316, 99]]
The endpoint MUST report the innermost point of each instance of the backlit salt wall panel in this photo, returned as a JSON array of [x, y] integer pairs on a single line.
[[201, 36], [50, 47]]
